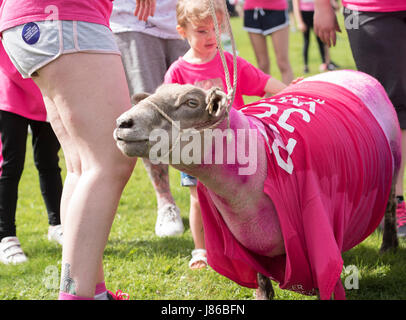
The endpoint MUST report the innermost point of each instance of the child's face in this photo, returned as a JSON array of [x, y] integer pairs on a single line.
[[201, 36]]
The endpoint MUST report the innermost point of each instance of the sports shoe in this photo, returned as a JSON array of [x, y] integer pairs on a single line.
[[323, 67], [169, 222], [332, 66], [55, 233], [11, 252], [306, 69], [401, 219], [119, 295]]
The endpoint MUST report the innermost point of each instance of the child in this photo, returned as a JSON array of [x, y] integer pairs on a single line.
[[160, 45], [202, 66], [304, 12]]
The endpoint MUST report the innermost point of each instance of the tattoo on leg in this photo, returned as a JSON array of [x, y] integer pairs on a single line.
[[67, 283], [159, 176]]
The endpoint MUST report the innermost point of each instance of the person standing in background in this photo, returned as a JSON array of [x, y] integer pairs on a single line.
[[202, 66], [377, 34], [269, 17], [22, 106], [304, 12], [148, 48]]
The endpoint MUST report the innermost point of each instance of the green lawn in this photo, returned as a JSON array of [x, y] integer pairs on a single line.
[[148, 267]]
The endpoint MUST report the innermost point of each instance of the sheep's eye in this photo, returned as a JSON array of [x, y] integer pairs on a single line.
[[192, 103]]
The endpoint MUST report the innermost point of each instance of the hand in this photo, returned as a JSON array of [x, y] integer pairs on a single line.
[[326, 25], [144, 9], [301, 26], [296, 80]]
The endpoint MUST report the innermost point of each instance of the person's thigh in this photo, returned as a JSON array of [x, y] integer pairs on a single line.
[[259, 44], [96, 96], [70, 150], [280, 41], [144, 60], [175, 48]]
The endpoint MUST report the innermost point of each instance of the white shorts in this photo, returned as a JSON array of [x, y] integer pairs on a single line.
[[35, 44]]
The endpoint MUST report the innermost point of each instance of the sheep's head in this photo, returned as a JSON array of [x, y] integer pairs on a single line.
[[186, 105]]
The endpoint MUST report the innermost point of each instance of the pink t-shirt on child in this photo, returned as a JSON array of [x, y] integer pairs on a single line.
[[306, 5], [375, 5], [18, 95], [265, 4], [251, 80], [17, 12]]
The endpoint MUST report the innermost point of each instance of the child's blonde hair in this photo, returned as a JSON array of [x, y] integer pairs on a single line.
[[196, 10]]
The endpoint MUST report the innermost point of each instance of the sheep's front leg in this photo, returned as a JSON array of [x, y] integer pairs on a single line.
[[265, 290], [390, 238]]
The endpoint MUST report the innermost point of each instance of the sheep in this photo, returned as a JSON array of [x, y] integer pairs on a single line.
[[287, 183]]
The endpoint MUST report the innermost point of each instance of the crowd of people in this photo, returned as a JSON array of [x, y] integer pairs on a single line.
[[53, 80]]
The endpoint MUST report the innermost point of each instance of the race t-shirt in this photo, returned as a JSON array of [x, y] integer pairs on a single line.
[[328, 185]]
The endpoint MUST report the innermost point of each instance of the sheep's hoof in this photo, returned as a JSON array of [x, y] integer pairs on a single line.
[[262, 295], [265, 290]]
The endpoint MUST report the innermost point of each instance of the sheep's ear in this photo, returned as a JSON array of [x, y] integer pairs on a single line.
[[138, 97], [216, 101]]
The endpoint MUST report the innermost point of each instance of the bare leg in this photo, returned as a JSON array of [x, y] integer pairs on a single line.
[[260, 47], [280, 40], [88, 117], [72, 159], [196, 225], [169, 221], [159, 176]]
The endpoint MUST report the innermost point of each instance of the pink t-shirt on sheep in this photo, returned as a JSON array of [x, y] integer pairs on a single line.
[[321, 214]]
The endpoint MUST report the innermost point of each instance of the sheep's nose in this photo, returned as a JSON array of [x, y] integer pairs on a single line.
[[125, 123]]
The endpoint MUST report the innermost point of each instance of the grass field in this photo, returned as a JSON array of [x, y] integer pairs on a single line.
[[148, 267]]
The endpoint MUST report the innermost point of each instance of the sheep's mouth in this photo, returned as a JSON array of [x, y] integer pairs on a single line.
[[127, 137], [133, 149]]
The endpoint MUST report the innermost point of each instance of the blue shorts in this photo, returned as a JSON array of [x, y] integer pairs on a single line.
[[186, 180], [264, 21], [33, 45]]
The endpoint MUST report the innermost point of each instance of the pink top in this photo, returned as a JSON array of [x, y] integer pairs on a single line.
[[18, 95], [266, 4], [306, 5], [17, 12], [375, 5], [328, 196], [251, 80]]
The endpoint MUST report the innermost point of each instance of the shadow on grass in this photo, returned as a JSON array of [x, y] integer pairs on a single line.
[[170, 247], [381, 276]]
